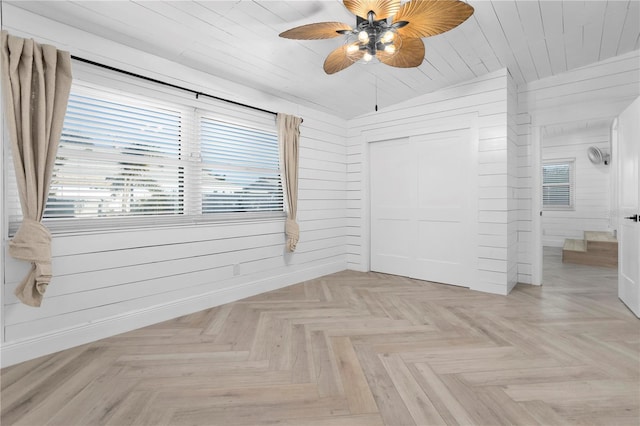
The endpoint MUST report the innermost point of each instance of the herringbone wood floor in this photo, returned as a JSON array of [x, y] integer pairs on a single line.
[[357, 349]]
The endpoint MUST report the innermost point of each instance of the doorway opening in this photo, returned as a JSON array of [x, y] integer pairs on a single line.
[[577, 187]]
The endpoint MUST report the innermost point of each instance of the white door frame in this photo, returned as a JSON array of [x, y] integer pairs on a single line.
[[536, 205]]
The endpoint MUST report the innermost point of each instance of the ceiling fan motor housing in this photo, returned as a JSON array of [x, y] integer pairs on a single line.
[[374, 36]]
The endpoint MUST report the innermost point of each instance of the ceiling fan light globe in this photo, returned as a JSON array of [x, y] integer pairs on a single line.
[[363, 36], [367, 57], [390, 49], [388, 37], [353, 48]]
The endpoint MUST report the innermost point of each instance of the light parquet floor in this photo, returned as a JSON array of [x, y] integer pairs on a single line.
[[357, 349]]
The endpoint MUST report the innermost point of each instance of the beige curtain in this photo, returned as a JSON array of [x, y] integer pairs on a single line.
[[289, 137], [36, 80]]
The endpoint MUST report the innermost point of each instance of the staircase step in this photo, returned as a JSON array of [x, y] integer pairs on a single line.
[[587, 258], [599, 250], [574, 245], [605, 249], [600, 236], [601, 243]]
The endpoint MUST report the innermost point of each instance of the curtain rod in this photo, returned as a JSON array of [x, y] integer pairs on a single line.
[[164, 83]]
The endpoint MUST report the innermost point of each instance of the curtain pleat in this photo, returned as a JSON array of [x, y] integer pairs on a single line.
[[36, 83], [289, 139]]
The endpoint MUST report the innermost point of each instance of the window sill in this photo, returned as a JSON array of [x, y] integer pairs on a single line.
[[69, 227], [558, 209]]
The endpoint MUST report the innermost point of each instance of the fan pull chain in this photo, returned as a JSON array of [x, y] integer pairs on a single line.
[[376, 75]]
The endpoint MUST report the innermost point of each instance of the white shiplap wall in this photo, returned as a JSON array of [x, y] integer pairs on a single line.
[[480, 104], [594, 92], [592, 186], [109, 282]]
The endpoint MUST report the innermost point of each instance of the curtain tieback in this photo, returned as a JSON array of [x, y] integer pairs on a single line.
[[32, 242], [292, 231]]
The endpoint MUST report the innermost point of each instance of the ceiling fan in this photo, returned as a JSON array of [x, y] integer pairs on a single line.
[[388, 30]]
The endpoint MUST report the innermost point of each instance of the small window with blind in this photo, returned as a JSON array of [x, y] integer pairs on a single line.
[[129, 160], [557, 185]]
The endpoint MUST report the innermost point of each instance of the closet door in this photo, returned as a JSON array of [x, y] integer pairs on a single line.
[[393, 186], [420, 207]]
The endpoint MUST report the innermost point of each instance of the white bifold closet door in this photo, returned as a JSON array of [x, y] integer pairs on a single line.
[[421, 208]]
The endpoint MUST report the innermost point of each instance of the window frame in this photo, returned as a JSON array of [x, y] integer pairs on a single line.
[[570, 162], [113, 85]]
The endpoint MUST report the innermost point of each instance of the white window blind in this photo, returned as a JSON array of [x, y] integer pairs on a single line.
[[127, 159], [557, 185], [117, 157], [240, 168]]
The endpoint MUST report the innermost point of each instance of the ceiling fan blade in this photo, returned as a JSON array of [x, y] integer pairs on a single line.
[[382, 8], [410, 54], [320, 30], [339, 59], [430, 17]]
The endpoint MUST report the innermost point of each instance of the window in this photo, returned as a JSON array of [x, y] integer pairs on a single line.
[[126, 159], [117, 157], [557, 185], [240, 168]]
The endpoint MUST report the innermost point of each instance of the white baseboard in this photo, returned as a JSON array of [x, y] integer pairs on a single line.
[[524, 279], [493, 288], [16, 352], [357, 267]]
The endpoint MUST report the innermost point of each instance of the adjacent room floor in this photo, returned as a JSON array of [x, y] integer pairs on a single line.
[[357, 349]]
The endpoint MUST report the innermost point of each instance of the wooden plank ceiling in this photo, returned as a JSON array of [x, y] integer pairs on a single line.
[[238, 41]]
